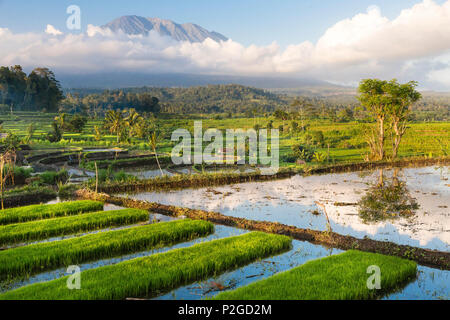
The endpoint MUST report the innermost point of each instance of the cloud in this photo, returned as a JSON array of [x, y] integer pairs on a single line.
[[52, 30], [414, 45]]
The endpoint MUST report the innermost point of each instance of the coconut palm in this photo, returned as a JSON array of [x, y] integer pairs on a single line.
[[61, 120], [114, 121], [133, 121]]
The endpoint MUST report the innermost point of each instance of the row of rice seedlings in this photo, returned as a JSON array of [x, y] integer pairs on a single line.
[[46, 211], [43, 229], [350, 275], [149, 276], [27, 260]]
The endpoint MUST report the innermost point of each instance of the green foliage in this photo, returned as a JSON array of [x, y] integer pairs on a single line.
[[339, 277], [66, 191], [148, 276], [28, 194], [345, 115], [123, 163], [38, 212], [320, 157], [74, 123], [43, 229], [53, 177], [29, 135], [109, 175], [303, 152], [56, 134], [11, 143], [38, 91], [314, 138], [44, 256], [388, 101], [387, 200], [20, 174]]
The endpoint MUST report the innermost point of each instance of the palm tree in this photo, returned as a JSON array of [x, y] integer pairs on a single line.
[[132, 121], [114, 121], [61, 120]]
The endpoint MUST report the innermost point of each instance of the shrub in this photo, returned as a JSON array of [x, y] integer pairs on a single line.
[[54, 178]]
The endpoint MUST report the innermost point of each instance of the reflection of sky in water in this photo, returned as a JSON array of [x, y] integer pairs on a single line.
[[292, 201]]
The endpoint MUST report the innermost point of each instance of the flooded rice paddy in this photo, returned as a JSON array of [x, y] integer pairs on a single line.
[[422, 195], [430, 284]]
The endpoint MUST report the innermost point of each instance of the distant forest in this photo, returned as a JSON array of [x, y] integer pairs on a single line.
[[38, 91], [237, 99], [41, 91]]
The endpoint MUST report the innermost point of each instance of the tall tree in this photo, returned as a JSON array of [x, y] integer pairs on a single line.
[[403, 96], [12, 86], [374, 98], [132, 121], [43, 90], [114, 122]]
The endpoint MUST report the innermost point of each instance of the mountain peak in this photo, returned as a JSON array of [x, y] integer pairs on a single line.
[[136, 25]]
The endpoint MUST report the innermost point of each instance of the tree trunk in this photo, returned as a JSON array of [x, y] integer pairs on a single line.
[[396, 139], [157, 161], [381, 178], [381, 139]]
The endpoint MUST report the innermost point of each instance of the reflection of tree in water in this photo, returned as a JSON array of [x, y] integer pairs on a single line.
[[387, 200]]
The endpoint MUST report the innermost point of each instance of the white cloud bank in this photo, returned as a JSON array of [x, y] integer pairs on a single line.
[[414, 45]]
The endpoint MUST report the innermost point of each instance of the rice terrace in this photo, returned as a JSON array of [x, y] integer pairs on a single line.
[[122, 179]]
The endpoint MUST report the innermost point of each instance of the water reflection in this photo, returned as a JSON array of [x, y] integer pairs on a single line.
[[293, 202], [387, 199]]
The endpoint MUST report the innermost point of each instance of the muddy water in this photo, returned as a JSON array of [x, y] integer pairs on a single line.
[[293, 202]]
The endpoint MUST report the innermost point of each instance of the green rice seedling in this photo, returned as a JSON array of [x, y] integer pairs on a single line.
[[23, 261], [148, 276], [46, 211], [43, 229], [340, 277]]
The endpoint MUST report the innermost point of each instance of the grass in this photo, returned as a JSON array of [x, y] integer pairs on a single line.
[[27, 195], [43, 229], [339, 277], [31, 259], [151, 275], [346, 140], [129, 162], [46, 211]]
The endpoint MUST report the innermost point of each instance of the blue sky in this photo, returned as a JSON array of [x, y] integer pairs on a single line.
[[341, 41], [248, 22]]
